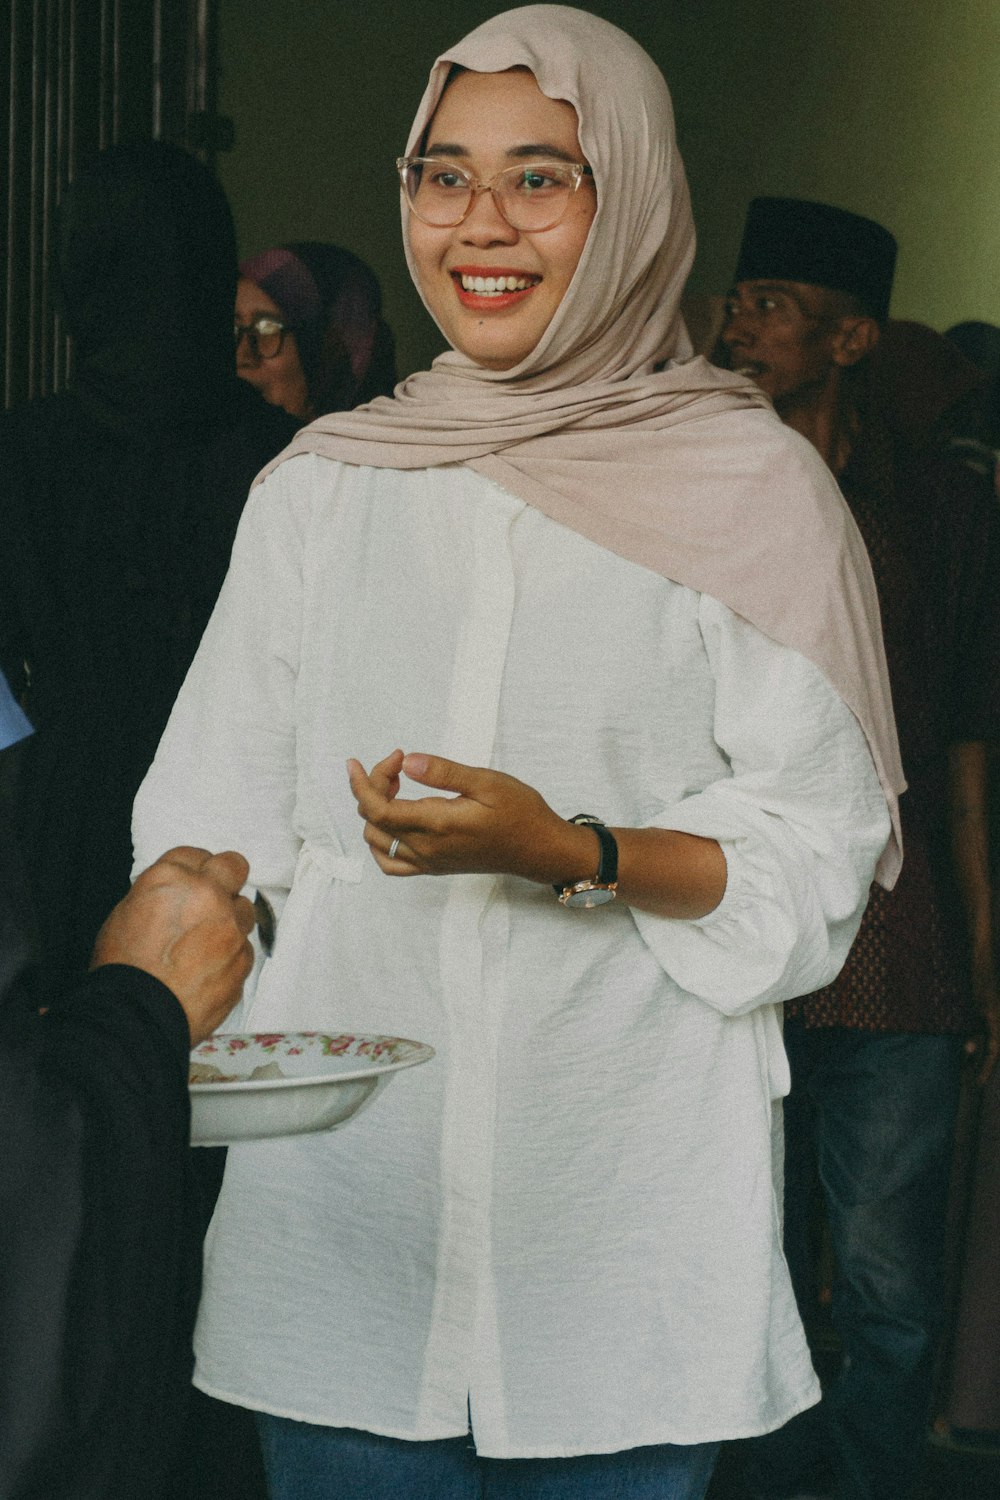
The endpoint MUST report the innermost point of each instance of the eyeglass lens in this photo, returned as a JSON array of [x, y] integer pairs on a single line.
[[530, 197], [264, 336]]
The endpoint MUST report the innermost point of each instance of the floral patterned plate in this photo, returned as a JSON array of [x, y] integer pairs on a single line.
[[253, 1087]]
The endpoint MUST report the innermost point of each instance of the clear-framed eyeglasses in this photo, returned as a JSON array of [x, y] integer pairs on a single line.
[[531, 196], [265, 335]]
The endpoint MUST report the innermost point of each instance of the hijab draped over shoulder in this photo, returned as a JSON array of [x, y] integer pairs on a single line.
[[609, 427]]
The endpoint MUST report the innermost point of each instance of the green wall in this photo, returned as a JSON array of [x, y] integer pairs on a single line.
[[892, 110]]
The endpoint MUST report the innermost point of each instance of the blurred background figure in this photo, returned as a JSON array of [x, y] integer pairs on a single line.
[[926, 389], [118, 510], [979, 442], [100, 1240], [875, 1057], [968, 1405], [969, 1397], [310, 335]]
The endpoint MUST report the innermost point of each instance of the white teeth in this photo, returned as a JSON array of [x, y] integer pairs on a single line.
[[494, 286]]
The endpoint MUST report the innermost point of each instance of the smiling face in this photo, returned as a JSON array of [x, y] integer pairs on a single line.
[[485, 123], [281, 379]]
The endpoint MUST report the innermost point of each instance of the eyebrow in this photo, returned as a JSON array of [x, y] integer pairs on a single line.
[[528, 152], [761, 286]]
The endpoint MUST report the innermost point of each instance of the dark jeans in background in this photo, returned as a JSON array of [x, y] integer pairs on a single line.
[[874, 1113]]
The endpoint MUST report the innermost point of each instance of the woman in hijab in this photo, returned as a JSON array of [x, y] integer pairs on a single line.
[[118, 511], [309, 329], [556, 576]]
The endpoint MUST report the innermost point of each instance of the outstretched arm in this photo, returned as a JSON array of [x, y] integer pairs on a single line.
[[185, 923], [100, 1261]]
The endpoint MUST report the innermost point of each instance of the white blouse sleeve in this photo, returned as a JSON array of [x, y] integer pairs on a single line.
[[802, 821], [224, 776]]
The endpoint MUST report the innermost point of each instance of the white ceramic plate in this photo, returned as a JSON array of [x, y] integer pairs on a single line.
[[306, 1081]]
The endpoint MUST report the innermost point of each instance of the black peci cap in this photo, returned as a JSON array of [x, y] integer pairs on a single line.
[[790, 239]]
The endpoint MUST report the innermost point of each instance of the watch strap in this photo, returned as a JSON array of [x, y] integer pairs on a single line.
[[607, 867]]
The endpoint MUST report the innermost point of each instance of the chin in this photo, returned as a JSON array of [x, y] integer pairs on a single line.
[[497, 352], [491, 358], [498, 361]]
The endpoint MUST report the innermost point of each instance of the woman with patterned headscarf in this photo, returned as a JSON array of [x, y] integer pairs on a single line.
[[309, 329]]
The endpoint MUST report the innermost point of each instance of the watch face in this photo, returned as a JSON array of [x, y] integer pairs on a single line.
[[595, 895]]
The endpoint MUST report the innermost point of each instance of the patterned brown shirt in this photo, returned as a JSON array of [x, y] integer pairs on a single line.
[[932, 529]]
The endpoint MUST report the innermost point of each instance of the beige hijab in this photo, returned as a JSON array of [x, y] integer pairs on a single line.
[[608, 426]]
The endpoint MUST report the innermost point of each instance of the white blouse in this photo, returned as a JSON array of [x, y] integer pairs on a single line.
[[566, 1222]]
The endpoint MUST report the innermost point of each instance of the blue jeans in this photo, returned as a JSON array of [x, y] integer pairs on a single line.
[[875, 1114], [305, 1462]]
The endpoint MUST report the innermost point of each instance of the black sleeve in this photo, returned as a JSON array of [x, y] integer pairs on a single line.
[[958, 520], [976, 603], [99, 1245]]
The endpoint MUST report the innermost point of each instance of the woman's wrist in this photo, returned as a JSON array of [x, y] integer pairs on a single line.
[[572, 853]]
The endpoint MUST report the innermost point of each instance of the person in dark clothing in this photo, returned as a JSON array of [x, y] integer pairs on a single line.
[[875, 1056], [99, 1229], [923, 386], [968, 1412], [977, 436], [310, 335], [119, 503]]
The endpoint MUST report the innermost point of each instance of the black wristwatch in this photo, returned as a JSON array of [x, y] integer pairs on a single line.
[[604, 886]]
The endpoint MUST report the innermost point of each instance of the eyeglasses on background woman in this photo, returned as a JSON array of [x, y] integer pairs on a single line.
[[309, 329], [265, 335]]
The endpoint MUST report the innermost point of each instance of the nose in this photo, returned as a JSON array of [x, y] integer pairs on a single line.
[[737, 329], [485, 224], [247, 356]]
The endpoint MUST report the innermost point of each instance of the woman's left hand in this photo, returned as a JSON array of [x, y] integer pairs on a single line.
[[488, 823]]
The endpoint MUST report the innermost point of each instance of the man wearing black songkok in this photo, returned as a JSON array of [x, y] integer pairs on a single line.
[[118, 510], [875, 1057]]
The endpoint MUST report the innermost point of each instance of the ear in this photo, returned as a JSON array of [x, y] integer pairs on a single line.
[[854, 340]]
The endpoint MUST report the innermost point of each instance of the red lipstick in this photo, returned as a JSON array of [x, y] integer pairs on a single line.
[[492, 288]]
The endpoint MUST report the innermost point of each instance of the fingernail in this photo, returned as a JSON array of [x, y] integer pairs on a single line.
[[416, 765]]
